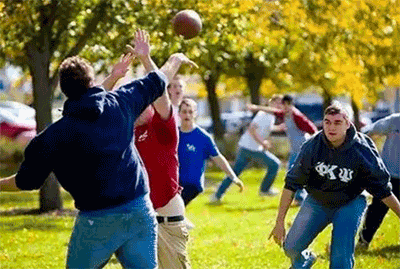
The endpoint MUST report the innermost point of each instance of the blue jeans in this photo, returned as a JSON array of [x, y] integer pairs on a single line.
[[131, 235], [265, 158], [312, 218], [299, 195]]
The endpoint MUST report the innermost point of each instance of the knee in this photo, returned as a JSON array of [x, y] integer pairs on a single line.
[[291, 250]]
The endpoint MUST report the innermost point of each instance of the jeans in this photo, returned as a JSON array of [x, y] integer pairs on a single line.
[[312, 218], [376, 213], [300, 195], [265, 158], [132, 236]]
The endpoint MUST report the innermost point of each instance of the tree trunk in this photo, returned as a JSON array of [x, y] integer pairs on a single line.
[[254, 73], [327, 99], [211, 83], [356, 111], [49, 195]]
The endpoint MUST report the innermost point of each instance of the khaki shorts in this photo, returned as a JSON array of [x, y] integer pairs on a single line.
[[172, 245]]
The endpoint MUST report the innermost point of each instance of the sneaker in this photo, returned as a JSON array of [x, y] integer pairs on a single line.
[[362, 244], [189, 224], [214, 199], [312, 258], [270, 192]]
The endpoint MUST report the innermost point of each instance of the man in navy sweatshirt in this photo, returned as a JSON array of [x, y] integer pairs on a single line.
[[91, 150], [335, 166]]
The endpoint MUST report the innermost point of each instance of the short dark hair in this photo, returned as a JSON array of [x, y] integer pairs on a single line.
[[76, 76], [336, 108], [287, 98]]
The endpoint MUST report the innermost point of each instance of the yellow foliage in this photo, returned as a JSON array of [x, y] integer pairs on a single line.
[[268, 88]]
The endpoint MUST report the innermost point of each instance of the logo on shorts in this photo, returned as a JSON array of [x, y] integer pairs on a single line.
[[191, 148], [345, 174]]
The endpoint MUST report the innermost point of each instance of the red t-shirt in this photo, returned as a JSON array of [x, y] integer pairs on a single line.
[[157, 143]]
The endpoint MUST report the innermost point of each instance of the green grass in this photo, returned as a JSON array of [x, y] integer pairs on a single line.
[[232, 235]]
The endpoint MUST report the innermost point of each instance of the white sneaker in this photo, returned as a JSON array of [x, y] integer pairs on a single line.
[[270, 192], [214, 199], [189, 224]]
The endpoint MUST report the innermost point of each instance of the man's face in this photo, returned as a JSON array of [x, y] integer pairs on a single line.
[[187, 114], [277, 103], [145, 117], [175, 90], [335, 128]]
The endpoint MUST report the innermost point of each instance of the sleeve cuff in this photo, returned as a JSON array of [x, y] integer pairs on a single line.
[[162, 76]]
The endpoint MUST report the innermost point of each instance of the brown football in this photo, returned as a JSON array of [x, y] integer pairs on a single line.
[[187, 23]]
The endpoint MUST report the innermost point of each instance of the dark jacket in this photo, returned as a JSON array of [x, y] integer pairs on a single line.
[[91, 148], [335, 176]]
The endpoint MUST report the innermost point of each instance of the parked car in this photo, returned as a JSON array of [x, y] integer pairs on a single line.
[[17, 121], [233, 122]]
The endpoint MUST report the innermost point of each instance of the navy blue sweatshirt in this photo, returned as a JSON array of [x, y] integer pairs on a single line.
[[335, 176], [91, 149]]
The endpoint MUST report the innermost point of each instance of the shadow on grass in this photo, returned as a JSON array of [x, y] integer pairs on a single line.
[[37, 212], [37, 220], [387, 252]]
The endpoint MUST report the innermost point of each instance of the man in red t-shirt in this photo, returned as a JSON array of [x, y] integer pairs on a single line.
[[156, 138]]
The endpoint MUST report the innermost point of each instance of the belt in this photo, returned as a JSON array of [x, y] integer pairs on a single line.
[[161, 219]]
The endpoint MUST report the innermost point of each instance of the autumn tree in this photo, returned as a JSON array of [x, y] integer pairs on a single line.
[[37, 35]]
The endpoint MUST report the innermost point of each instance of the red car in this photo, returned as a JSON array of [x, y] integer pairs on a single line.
[[17, 121]]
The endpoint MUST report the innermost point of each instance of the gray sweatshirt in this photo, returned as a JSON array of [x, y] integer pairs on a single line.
[[389, 126]]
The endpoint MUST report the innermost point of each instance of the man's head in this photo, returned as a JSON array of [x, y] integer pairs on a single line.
[[276, 101], [188, 111], [335, 124], [76, 76], [176, 88], [287, 103]]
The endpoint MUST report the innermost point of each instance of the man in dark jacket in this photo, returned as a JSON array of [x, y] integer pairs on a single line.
[[91, 150], [335, 166]]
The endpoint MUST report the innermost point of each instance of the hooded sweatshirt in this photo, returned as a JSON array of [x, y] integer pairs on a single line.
[[336, 176], [91, 148]]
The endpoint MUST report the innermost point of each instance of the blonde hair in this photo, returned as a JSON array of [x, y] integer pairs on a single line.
[[188, 102]]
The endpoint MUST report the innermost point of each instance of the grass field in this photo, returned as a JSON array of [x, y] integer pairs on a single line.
[[232, 235]]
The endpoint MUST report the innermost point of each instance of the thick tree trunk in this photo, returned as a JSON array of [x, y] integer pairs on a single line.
[[211, 83], [356, 111], [254, 73], [49, 195], [327, 99]]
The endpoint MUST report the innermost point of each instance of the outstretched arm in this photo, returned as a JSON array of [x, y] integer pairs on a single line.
[[8, 184], [268, 109], [222, 163], [119, 71]]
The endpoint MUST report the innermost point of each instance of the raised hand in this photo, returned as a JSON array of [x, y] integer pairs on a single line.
[[183, 59], [122, 67], [141, 44]]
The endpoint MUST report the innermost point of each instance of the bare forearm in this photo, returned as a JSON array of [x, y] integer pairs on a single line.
[[222, 163], [255, 135], [286, 200], [393, 204], [8, 184], [109, 82], [171, 67], [148, 64]]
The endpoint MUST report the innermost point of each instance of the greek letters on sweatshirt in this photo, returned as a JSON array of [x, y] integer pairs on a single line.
[[335, 176], [91, 148]]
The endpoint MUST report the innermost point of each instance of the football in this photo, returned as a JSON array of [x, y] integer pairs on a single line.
[[187, 23]]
